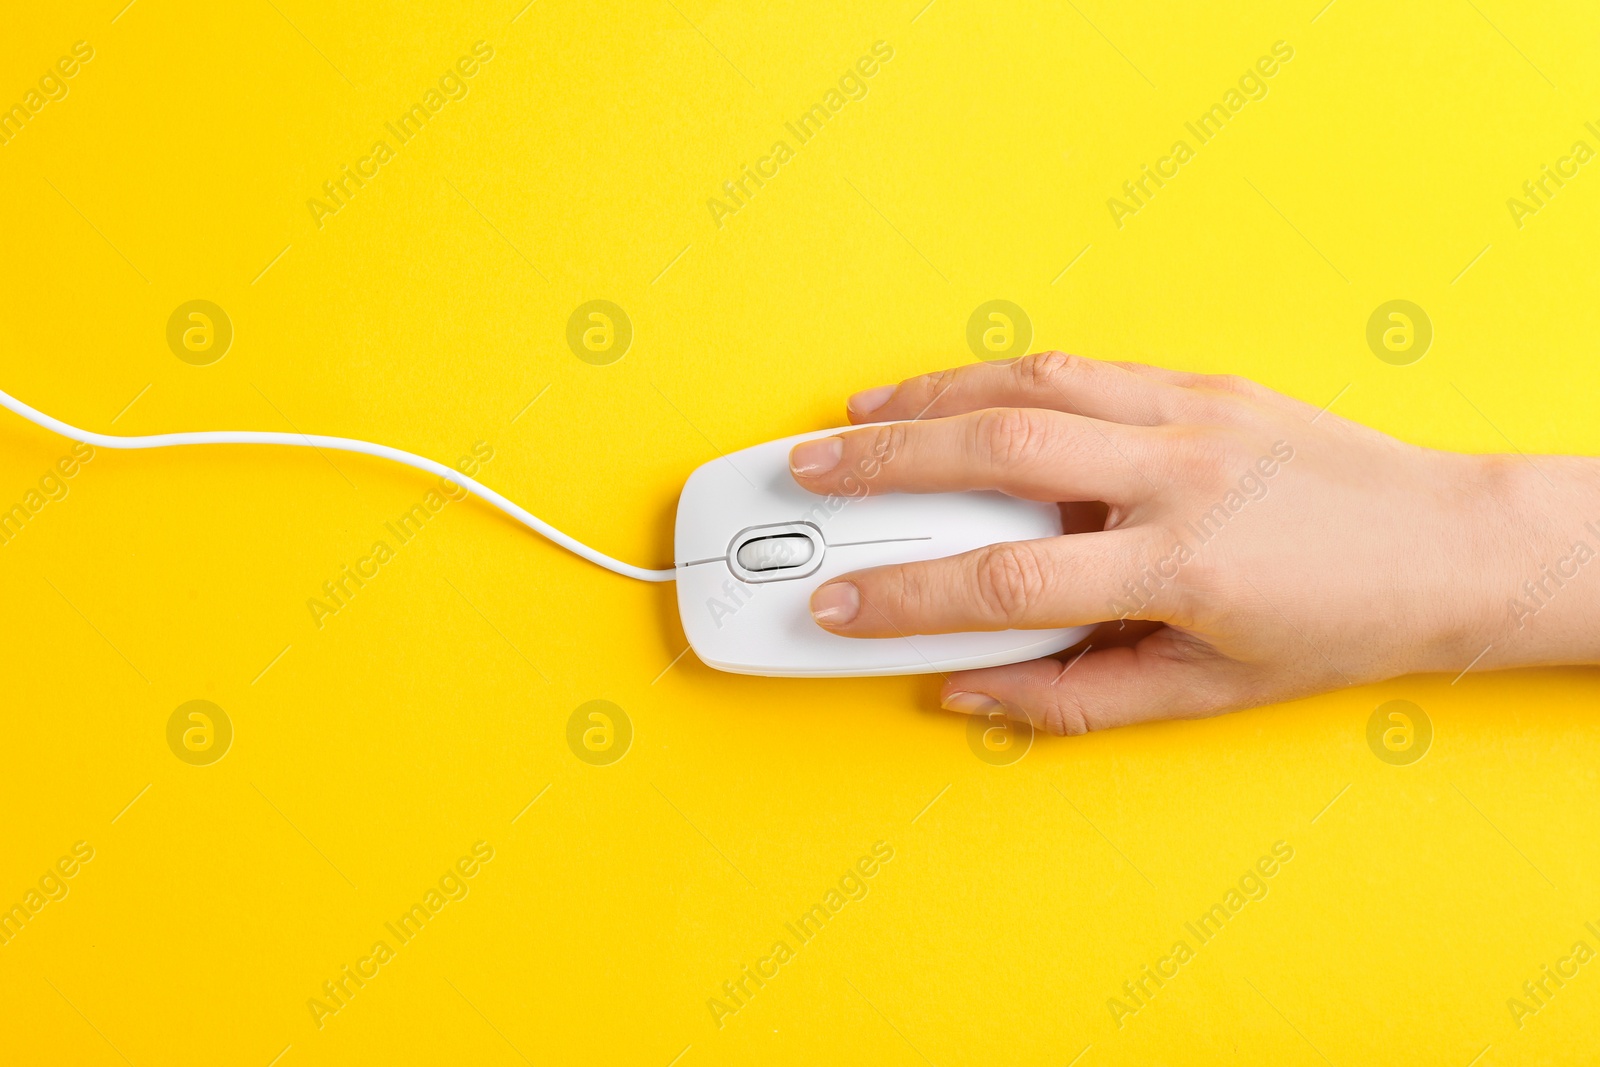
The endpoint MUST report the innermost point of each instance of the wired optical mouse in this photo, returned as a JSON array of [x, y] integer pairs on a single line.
[[751, 546]]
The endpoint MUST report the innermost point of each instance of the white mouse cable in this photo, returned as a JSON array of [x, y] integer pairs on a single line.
[[343, 444]]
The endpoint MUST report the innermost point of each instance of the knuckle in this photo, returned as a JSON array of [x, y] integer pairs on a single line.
[[1232, 384], [1158, 576], [932, 386], [879, 447], [1048, 370], [1209, 453], [1065, 716], [1010, 436], [907, 594], [889, 442], [1010, 582]]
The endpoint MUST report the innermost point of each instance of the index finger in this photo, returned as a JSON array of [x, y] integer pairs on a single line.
[[1026, 452]]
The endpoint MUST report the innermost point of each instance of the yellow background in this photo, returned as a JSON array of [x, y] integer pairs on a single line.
[[370, 754]]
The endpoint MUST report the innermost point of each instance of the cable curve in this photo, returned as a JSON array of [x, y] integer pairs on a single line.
[[343, 444]]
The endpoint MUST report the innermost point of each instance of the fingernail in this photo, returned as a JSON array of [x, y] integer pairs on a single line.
[[869, 400], [971, 704], [835, 603], [816, 457]]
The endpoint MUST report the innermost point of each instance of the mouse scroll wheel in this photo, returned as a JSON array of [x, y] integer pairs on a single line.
[[776, 553]]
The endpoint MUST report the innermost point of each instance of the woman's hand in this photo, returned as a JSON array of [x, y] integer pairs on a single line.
[[1246, 547]]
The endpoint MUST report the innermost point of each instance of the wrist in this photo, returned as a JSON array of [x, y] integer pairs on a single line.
[[1537, 550]]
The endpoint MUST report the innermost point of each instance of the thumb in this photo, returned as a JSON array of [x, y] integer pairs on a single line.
[[1159, 678]]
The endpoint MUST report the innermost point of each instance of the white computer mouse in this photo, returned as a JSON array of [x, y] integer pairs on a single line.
[[751, 546]]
